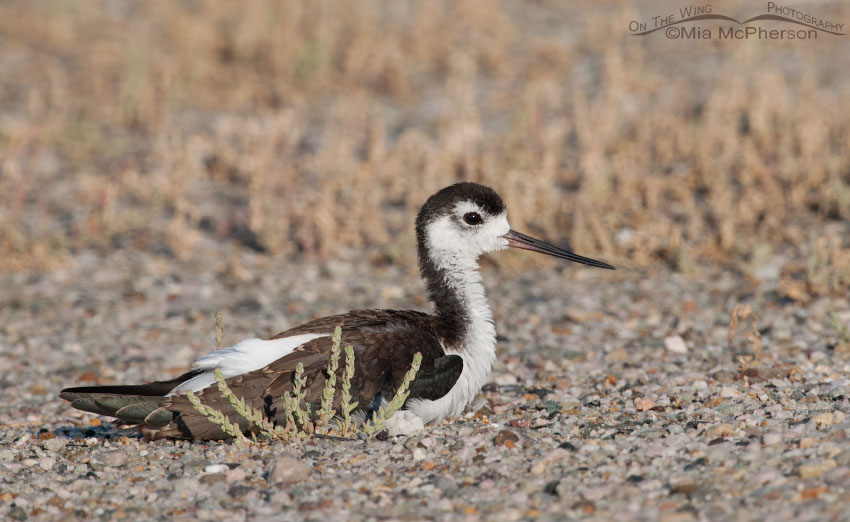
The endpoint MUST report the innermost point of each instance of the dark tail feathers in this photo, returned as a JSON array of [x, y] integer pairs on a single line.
[[133, 404]]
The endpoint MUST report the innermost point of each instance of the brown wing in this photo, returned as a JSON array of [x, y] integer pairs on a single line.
[[384, 343], [364, 321]]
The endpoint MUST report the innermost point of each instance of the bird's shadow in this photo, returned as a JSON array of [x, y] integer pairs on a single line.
[[106, 431]]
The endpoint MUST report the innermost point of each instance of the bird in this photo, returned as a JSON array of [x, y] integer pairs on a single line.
[[457, 341]]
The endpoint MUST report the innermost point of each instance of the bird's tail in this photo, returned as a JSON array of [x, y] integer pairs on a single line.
[[133, 404]]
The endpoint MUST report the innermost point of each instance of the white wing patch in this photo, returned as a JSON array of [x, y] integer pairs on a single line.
[[247, 356]]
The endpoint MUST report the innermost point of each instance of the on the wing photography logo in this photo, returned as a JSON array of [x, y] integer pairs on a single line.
[[698, 22]]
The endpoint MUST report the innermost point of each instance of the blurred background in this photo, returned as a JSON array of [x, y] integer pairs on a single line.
[[314, 130]]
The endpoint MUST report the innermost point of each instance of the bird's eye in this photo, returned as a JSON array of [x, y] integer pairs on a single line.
[[473, 218]]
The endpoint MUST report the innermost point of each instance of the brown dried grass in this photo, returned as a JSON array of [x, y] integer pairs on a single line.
[[317, 126]]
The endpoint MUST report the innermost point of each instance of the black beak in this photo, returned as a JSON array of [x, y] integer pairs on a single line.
[[518, 240]]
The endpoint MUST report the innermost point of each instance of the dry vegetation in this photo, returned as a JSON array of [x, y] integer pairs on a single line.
[[303, 127]]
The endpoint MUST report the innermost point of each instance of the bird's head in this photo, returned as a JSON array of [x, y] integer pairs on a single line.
[[465, 220]]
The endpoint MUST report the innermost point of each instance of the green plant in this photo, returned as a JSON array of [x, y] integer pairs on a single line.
[[379, 420], [346, 406], [217, 417]]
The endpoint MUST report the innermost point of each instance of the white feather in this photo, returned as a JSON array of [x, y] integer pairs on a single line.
[[247, 356], [456, 251]]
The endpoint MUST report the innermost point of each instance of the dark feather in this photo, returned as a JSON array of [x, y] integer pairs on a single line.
[[116, 401], [151, 389], [435, 384]]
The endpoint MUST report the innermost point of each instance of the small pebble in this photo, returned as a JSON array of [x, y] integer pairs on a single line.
[[807, 442], [816, 469], [684, 485], [675, 344], [554, 456], [216, 468], [115, 459], [288, 469], [235, 475], [770, 439], [213, 478], [722, 429], [823, 419], [404, 422], [505, 437], [644, 404], [54, 445]]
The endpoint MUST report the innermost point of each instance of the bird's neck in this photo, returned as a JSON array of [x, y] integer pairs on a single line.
[[464, 319]]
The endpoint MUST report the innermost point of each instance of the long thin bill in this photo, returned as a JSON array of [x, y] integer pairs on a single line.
[[519, 240]]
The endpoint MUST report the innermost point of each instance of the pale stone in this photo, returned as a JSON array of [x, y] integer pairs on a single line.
[[675, 344], [722, 429], [404, 423], [552, 457], [289, 469], [823, 419], [816, 469], [772, 438], [643, 404]]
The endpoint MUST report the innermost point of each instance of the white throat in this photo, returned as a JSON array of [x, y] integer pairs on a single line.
[[478, 344], [478, 348], [479, 340]]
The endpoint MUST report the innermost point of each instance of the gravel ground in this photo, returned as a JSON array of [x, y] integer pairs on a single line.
[[615, 396]]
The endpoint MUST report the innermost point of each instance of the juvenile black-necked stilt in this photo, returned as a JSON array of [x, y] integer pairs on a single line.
[[457, 342]]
